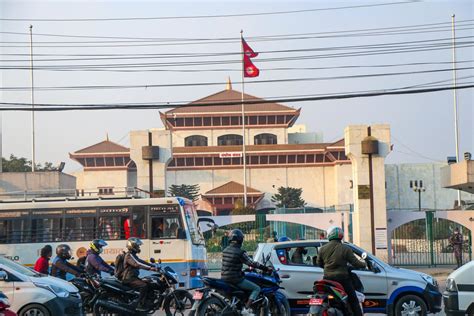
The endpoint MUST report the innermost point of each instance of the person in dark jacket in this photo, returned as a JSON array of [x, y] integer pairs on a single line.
[[94, 262], [132, 266], [60, 265], [233, 259], [333, 258], [42, 264], [456, 240]]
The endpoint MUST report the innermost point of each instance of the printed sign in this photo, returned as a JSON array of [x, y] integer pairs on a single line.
[[380, 238], [363, 191], [231, 155]]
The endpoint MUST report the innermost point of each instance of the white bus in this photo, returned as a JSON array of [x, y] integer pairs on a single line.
[[168, 227]]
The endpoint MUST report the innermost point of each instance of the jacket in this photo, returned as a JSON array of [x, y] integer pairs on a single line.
[[334, 257], [233, 259], [95, 264], [132, 265], [42, 265], [60, 267]]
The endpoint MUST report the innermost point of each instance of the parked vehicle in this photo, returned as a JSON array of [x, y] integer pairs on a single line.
[[222, 298], [114, 297], [388, 289], [4, 306], [459, 294], [32, 293]]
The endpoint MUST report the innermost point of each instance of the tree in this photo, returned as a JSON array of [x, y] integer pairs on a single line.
[[289, 197], [21, 164], [189, 191], [240, 209]]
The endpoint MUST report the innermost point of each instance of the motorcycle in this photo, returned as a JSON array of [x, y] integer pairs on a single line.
[[330, 298], [87, 286], [221, 298], [115, 297]]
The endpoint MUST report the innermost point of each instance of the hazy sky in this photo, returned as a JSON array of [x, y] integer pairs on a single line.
[[422, 125]]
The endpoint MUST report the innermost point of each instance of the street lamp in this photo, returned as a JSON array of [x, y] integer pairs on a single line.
[[417, 186]]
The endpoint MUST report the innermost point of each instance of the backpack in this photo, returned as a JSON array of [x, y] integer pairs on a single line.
[[120, 266]]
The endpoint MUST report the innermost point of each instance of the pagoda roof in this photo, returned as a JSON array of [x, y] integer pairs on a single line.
[[229, 95], [104, 147], [231, 188]]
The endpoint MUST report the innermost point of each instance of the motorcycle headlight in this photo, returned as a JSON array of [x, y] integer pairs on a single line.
[[451, 285], [58, 291]]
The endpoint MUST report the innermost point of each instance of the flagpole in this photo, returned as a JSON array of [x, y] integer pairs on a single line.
[[244, 156], [455, 99]]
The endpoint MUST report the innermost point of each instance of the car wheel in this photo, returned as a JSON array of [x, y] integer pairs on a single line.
[[410, 305], [34, 310]]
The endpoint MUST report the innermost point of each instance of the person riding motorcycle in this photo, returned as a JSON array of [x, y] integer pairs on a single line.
[[94, 262], [60, 266], [132, 266], [233, 259], [333, 258]]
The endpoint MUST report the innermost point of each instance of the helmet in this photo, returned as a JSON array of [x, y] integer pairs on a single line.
[[63, 251], [133, 244], [284, 238], [97, 244], [335, 233], [236, 236]]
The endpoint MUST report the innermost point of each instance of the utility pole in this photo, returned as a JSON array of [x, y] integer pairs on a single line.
[[33, 156], [455, 99]]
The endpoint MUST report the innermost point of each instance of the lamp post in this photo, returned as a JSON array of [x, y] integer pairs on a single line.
[[417, 186]]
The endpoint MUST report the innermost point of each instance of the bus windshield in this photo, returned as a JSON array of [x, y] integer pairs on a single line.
[[191, 221]]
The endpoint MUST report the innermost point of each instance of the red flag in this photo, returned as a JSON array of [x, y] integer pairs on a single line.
[[248, 51], [250, 70]]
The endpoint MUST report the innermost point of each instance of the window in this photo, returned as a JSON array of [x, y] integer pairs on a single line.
[[216, 121], [189, 162], [272, 160], [90, 162], [304, 255], [265, 139], [114, 222], [180, 162], [198, 121], [188, 121], [106, 191], [166, 226], [78, 227], [109, 161], [207, 121], [119, 161], [208, 161], [234, 120], [282, 159], [280, 119], [138, 227], [253, 120], [271, 119], [195, 140], [226, 120], [179, 122], [229, 140], [262, 120], [14, 231], [199, 161], [46, 229], [100, 162], [300, 159]]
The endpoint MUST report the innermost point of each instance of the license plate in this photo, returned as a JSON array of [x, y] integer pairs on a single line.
[[197, 295], [315, 301]]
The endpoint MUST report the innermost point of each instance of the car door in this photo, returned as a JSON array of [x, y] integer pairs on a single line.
[[298, 277], [374, 282]]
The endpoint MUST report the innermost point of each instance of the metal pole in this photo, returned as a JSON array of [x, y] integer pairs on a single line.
[[150, 166], [33, 158], [372, 206], [455, 99], [419, 199], [244, 156]]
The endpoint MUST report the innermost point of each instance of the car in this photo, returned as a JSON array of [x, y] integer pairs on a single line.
[[459, 294], [4, 306], [388, 289], [33, 293]]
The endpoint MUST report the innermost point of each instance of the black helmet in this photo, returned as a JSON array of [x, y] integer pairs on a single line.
[[133, 244], [236, 236], [63, 251], [97, 244]]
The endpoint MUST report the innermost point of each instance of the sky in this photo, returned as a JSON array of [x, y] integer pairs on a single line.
[[422, 125]]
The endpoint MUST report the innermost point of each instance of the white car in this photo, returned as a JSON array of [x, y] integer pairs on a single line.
[[32, 293], [459, 295], [387, 289]]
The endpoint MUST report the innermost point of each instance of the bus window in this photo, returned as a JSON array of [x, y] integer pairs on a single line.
[[46, 229], [191, 221], [113, 223], [80, 228], [14, 231], [166, 226], [138, 228], [109, 228]]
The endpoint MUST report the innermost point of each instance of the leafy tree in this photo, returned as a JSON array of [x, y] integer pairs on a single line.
[[289, 197], [240, 209], [189, 191], [21, 164]]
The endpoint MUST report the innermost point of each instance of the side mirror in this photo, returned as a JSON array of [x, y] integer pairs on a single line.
[[3, 276], [364, 255]]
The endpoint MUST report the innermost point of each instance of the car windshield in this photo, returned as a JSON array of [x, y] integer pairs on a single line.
[[18, 267]]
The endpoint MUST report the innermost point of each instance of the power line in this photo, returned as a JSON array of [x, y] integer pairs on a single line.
[[71, 107], [210, 16]]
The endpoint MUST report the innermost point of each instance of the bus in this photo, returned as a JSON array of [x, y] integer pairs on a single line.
[[168, 227]]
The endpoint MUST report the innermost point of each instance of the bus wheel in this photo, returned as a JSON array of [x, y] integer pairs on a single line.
[[34, 310], [178, 302]]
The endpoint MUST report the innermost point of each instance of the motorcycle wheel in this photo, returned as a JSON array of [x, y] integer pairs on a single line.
[[211, 306], [177, 302]]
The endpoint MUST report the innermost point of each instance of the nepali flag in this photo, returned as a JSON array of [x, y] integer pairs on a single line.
[[250, 70]]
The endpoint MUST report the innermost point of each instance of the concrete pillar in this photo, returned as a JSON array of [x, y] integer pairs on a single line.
[[363, 235]]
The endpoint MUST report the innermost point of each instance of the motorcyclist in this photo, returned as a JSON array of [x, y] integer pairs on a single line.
[[233, 259], [60, 266], [132, 266], [94, 262], [334, 258]]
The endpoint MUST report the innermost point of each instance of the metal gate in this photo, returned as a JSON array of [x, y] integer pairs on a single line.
[[425, 241]]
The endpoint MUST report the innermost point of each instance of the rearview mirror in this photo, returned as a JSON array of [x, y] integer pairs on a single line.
[[3, 276]]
